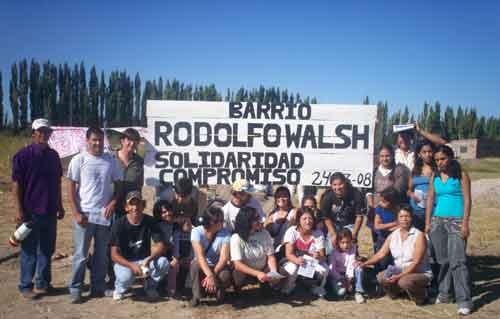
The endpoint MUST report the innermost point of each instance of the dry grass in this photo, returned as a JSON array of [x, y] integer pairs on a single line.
[[483, 168]]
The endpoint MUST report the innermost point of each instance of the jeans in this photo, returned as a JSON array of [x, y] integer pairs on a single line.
[[81, 241], [125, 277], [358, 281], [449, 248], [36, 252]]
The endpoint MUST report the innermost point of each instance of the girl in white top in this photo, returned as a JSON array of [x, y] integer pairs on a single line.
[[411, 271], [305, 253]]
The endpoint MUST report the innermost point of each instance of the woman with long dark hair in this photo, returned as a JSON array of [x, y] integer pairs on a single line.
[[448, 227], [418, 184], [252, 251], [282, 216]]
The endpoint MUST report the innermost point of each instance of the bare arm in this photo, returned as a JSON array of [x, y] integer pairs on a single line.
[[378, 225], [384, 251], [467, 204], [418, 256], [223, 259], [290, 254], [434, 138], [17, 189], [80, 219], [199, 254], [430, 205], [357, 226]]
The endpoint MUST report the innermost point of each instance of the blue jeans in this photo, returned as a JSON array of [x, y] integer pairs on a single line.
[[125, 277], [358, 282], [36, 252], [81, 241], [449, 248]]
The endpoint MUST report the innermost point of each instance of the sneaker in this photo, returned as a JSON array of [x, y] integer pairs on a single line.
[[194, 302], [117, 296], [40, 291], [358, 297], [109, 293], [29, 294], [75, 298], [319, 291], [463, 311]]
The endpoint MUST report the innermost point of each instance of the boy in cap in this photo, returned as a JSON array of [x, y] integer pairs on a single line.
[[131, 249], [241, 196], [36, 184]]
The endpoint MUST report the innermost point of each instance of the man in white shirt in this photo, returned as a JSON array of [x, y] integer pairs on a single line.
[[241, 196], [92, 174]]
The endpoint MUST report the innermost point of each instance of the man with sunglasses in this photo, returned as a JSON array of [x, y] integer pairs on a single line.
[[241, 196], [36, 184]]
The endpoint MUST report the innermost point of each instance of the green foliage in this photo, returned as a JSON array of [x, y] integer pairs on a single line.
[[14, 98]]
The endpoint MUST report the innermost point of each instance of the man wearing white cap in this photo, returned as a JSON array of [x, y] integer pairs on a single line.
[[241, 196], [36, 179]]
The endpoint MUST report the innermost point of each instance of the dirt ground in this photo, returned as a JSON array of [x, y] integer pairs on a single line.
[[484, 249]]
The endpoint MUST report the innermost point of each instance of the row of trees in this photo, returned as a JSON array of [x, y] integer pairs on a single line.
[[63, 94]]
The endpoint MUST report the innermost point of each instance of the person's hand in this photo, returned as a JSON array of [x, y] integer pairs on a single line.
[[146, 261], [19, 217], [60, 214], [333, 239], [394, 279], [300, 261], [262, 277], [415, 198], [427, 228], [81, 219], [109, 209], [174, 262], [136, 269], [465, 232], [209, 284], [359, 264], [316, 255], [417, 127]]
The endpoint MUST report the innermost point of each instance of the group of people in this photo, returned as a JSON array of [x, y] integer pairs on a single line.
[[418, 212]]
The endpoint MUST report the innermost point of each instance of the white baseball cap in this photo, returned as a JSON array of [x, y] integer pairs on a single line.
[[242, 185], [39, 123]]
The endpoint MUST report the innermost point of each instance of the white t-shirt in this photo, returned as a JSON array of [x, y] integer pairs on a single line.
[[314, 244], [407, 159], [95, 176], [254, 251], [231, 211]]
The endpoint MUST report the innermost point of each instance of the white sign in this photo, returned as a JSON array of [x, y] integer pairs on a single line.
[[219, 142]]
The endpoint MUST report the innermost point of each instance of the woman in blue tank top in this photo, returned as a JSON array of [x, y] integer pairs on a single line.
[[418, 187], [448, 228]]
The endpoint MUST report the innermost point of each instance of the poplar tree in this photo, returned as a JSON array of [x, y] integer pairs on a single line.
[[23, 94], [14, 98]]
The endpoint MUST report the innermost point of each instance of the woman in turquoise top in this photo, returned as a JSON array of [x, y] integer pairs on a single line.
[[418, 187], [448, 228]]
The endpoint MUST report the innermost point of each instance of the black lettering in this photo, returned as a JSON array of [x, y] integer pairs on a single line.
[[321, 135], [244, 159], [293, 137], [231, 160], [236, 142], [223, 176], [252, 134], [360, 136], [161, 160], [178, 127], [340, 134], [235, 110], [163, 176], [258, 159], [279, 176], [202, 139], [249, 110], [253, 176], [291, 111], [162, 130], [293, 177], [277, 111], [237, 174], [176, 160], [309, 137], [267, 140], [187, 162], [270, 160], [297, 160], [218, 128], [196, 175], [263, 109], [204, 159], [217, 159], [304, 111]]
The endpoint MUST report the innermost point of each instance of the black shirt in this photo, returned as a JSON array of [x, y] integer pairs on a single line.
[[343, 211], [134, 241]]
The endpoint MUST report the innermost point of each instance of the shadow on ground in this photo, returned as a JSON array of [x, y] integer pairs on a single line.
[[485, 271]]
